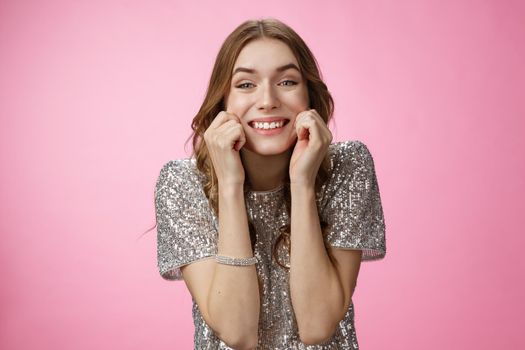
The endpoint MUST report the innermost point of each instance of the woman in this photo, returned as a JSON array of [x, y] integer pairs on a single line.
[[269, 221]]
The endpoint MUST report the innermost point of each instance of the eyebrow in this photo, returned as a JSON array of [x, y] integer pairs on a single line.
[[278, 69]]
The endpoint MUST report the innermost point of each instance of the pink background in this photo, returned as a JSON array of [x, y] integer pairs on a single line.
[[95, 96]]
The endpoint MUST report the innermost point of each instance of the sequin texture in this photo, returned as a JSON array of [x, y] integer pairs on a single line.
[[187, 231]]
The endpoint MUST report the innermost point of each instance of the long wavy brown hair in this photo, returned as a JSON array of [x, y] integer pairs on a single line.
[[219, 85]]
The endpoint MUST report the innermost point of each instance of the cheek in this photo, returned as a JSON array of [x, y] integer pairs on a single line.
[[237, 104], [300, 101]]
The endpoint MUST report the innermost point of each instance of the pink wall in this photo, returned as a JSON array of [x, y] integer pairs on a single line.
[[95, 96]]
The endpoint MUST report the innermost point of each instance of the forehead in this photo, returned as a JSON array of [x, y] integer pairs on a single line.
[[265, 54]]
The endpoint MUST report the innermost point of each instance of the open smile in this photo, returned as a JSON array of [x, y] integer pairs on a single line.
[[269, 128]]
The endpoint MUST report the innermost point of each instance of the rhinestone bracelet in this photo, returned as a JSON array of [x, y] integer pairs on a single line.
[[226, 260]]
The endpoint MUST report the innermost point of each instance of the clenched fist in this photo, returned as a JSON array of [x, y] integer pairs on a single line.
[[224, 138]]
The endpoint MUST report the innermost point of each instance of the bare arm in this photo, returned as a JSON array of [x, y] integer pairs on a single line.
[[320, 292], [228, 296], [234, 295]]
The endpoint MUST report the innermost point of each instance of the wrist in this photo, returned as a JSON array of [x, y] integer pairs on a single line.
[[305, 180], [229, 189], [302, 187]]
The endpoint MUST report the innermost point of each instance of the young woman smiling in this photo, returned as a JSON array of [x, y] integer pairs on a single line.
[[268, 221]]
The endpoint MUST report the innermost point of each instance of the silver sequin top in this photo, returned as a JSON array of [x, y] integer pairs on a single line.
[[187, 231]]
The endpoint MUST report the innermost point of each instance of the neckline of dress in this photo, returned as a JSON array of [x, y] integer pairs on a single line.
[[274, 190]]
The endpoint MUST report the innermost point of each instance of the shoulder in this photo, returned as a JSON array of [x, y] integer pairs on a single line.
[[179, 173], [347, 155], [178, 166]]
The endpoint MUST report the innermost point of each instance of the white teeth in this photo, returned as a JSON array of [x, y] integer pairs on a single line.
[[266, 125]]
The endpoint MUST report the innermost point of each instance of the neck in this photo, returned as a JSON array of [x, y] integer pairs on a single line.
[[266, 172]]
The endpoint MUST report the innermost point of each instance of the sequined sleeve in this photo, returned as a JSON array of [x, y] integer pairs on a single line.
[[354, 205], [185, 231]]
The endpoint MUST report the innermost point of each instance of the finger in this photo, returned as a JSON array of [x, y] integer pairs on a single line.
[[218, 120], [236, 137], [221, 118], [240, 142], [312, 113], [322, 127], [308, 130], [218, 136], [223, 134], [226, 126], [297, 125], [302, 125], [317, 133], [236, 133]]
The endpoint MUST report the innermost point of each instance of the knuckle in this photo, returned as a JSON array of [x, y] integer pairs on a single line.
[[229, 115]]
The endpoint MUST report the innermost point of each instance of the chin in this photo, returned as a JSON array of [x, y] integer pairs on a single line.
[[269, 149]]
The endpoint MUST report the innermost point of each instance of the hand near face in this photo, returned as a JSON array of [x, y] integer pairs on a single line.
[[313, 139], [224, 138]]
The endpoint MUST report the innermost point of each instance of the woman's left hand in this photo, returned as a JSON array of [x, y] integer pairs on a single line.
[[313, 139]]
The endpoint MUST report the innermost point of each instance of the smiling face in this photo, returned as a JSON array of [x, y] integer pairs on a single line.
[[267, 86]]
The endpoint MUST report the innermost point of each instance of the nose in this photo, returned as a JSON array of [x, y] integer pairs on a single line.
[[267, 99]]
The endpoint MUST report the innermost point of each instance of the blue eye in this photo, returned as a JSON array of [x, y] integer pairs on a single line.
[[243, 84], [290, 81]]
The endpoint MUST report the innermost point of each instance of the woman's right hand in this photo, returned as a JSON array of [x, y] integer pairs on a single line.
[[224, 138]]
